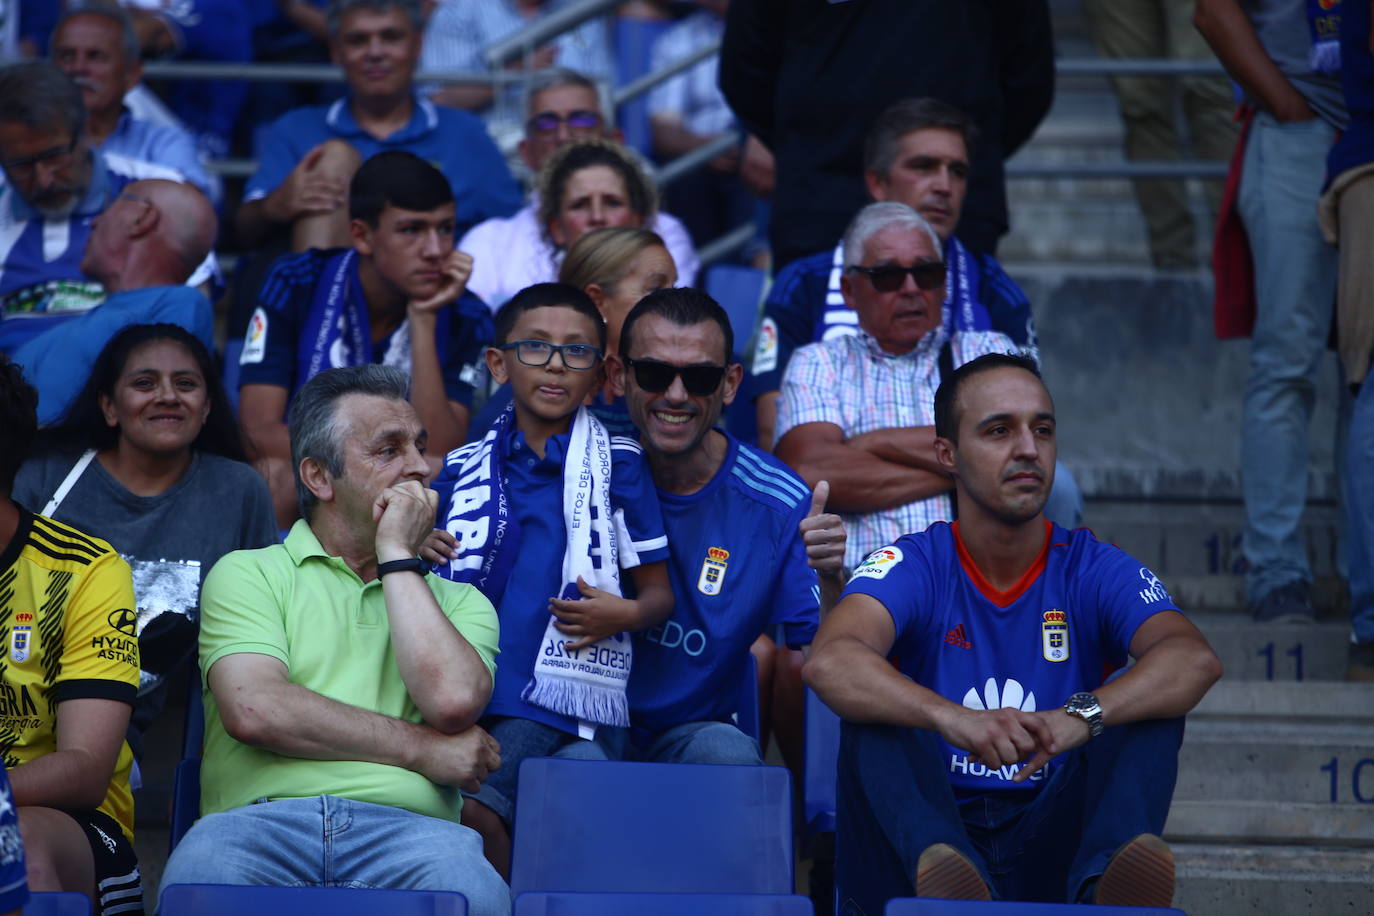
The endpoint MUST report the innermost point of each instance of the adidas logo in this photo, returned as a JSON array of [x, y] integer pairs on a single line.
[[1012, 696], [957, 637]]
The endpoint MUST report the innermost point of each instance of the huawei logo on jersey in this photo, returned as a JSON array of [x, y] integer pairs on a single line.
[[1012, 695]]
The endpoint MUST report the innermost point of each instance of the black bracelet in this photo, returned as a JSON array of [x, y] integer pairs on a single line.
[[409, 564]]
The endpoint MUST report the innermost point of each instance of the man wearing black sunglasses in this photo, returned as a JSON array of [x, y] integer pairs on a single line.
[[747, 536], [857, 410]]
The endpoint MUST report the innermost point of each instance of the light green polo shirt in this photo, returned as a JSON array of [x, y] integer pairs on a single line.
[[310, 611]]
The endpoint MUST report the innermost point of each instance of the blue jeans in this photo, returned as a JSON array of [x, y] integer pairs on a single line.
[[327, 841], [690, 742], [521, 739], [1295, 284], [893, 799], [1359, 458]]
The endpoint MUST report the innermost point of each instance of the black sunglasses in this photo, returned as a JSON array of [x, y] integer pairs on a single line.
[[889, 278], [654, 376]]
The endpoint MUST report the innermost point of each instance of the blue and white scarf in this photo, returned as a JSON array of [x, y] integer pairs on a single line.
[[1324, 26], [586, 684], [337, 328], [960, 304]]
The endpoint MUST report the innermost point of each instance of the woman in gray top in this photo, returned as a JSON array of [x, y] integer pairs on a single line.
[[148, 457]]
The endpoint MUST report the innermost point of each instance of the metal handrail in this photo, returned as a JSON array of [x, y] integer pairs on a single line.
[[703, 154], [311, 73], [546, 27], [643, 84], [328, 73]]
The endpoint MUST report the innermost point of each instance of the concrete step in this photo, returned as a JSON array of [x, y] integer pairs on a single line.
[[1275, 652], [1284, 763], [1203, 547], [1309, 701], [1329, 594], [1296, 823], [1223, 880]]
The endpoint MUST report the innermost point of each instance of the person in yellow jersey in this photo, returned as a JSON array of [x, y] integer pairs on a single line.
[[68, 680]]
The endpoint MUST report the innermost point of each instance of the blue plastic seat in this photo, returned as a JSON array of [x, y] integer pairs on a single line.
[[186, 780], [600, 826], [822, 756], [920, 906], [236, 900], [747, 715], [739, 290], [55, 904], [540, 904], [233, 349]]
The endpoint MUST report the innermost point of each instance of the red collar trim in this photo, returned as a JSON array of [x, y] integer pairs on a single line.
[[1018, 588]]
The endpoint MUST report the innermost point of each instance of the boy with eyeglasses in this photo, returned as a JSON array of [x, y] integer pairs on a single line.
[[546, 511]]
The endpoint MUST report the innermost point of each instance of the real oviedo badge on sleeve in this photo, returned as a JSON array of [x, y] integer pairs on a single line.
[[1054, 636], [713, 571]]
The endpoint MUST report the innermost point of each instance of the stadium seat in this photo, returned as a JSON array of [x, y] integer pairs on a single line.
[[539, 904], [186, 780], [55, 904], [822, 753], [739, 290], [634, 44], [185, 799], [917, 906], [747, 715], [602, 826], [235, 900], [233, 349]]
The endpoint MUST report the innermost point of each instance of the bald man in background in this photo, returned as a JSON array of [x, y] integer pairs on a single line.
[[142, 249]]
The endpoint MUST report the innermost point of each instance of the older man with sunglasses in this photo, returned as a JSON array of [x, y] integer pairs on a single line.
[[858, 410]]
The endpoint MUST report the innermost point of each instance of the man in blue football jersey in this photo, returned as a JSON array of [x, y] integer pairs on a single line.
[[748, 538], [991, 759]]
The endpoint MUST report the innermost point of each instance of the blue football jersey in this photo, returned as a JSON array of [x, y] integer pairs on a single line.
[[1053, 634], [738, 568]]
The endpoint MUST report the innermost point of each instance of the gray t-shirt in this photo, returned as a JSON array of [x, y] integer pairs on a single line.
[[1282, 27], [170, 540]]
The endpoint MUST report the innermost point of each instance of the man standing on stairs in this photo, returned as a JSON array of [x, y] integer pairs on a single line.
[[991, 759], [1279, 51]]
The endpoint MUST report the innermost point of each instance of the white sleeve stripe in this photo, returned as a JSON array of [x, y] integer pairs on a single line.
[[658, 543]]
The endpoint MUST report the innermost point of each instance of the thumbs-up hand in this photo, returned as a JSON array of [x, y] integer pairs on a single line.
[[823, 534]]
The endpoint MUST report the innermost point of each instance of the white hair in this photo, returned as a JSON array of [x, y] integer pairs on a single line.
[[873, 219]]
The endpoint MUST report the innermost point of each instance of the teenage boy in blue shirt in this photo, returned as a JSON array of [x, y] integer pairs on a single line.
[[549, 344]]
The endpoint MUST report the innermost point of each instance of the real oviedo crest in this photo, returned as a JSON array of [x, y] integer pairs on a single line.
[[1054, 636], [713, 571]]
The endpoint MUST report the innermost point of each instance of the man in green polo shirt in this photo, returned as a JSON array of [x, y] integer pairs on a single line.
[[344, 682]]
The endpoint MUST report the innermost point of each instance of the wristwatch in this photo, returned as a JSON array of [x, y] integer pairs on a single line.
[[409, 564], [1086, 707]]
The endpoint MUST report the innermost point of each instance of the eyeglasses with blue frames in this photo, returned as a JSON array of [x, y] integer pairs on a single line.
[[538, 353], [654, 376], [890, 277], [580, 121]]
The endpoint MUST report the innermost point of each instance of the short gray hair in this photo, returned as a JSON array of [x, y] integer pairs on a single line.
[[875, 218], [115, 13], [37, 94], [337, 9], [558, 77], [313, 418]]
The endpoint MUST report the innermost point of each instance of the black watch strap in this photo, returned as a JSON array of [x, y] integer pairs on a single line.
[[409, 564]]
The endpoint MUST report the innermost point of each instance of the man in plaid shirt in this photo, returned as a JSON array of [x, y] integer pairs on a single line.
[[858, 410]]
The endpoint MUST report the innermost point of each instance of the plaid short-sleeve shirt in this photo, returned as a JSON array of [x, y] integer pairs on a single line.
[[852, 382]]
